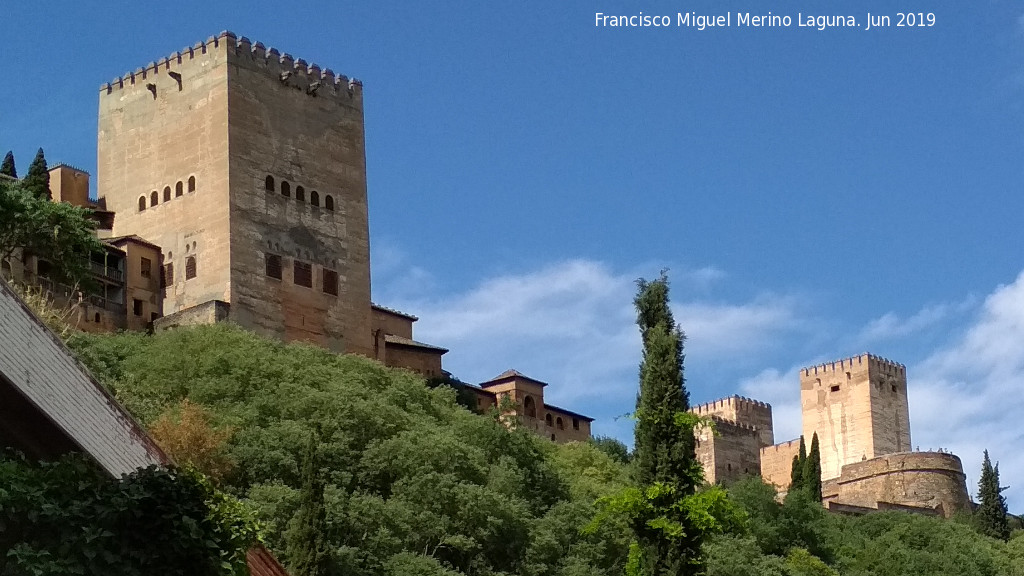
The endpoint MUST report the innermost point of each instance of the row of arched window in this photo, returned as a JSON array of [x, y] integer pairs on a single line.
[[300, 193], [179, 190]]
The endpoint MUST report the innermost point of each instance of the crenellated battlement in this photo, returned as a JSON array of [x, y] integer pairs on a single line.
[[295, 72], [735, 402], [862, 361], [718, 420]]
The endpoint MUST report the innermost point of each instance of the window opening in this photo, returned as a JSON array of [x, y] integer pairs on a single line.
[[303, 272]]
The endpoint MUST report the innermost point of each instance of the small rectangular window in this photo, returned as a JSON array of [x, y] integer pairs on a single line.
[[147, 268], [273, 265], [835, 388], [330, 282], [575, 423], [190, 267], [167, 278], [137, 306], [303, 274]]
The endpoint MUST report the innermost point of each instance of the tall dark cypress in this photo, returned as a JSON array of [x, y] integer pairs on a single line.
[[812, 469], [664, 450], [37, 180], [7, 168], [796, 474], [991, 512], [305, 543]]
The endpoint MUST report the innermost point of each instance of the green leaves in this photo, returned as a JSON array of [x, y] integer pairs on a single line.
[[69, 518]]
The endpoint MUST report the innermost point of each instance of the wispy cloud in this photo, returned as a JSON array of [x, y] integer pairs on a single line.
[[891, 326]]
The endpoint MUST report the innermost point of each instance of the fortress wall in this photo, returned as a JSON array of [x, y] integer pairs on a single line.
[[858, 407], [932, 480], [743, 410], [158, 126], [729, 451], [302, 125], [777, 463]]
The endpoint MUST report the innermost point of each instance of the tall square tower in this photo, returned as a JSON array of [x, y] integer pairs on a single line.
[[858, 407], [247, 167]]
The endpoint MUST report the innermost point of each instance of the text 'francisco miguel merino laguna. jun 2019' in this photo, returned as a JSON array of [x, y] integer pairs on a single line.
[[696, 21]]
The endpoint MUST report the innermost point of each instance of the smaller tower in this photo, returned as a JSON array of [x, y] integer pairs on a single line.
[[858, 407]]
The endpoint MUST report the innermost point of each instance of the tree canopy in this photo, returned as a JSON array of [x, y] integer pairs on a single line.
[[37, 179]]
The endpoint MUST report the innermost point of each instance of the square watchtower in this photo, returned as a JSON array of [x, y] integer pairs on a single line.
[[858, 407], [247, 167]]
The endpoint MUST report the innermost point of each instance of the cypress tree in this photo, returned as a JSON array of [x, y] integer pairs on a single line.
[[812, 469], [7, 168], [796, 474], [664, 448], [991, 512], [305, 546], [37, 180]]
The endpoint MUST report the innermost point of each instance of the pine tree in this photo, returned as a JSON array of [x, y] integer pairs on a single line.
[[7, 168], [37, 181], [991, 511], [812, 470], [305, 545], [796, 474], [664, 448]]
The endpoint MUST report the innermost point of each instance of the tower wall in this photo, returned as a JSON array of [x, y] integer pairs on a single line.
[[224, 115], [743, 411], [304, 126], [154, 132], [858, 407]]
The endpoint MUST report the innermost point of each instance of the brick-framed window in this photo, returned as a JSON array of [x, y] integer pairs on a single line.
[[167, 277], [190, 267], [146, 268], [330, 282], [273, 265], [303, 274]]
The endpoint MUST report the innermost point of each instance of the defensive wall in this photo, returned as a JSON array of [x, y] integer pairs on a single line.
[[921, 480], [742, 410], [728, 450], [777, 463]]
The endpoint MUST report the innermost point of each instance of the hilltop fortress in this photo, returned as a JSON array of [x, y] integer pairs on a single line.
[[859, 409], [231, 184]]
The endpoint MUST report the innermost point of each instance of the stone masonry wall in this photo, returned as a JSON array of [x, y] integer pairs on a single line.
[[777, 463], [918, 479], [729, 451]]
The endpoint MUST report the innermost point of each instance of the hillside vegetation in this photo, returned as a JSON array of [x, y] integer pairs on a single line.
[[417, 485]]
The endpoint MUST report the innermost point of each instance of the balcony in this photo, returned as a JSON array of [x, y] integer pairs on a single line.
[[108, 272]]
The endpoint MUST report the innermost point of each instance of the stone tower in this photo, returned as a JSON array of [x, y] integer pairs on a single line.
[[247, 167], [858, 407]]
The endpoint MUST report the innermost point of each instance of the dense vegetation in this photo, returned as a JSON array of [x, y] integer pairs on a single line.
[[70, 517], [414, 484]]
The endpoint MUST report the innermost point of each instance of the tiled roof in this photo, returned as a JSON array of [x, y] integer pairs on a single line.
[[568, 412], [131, 238], [509, 374], [393, 311], [392, 339]]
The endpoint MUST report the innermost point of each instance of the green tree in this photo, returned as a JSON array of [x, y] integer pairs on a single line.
[[796, 474], [667, 540], [991, 512], [812, 470], [37, 181], [612, 447], [307, 550], [57, 232], [7, 168]]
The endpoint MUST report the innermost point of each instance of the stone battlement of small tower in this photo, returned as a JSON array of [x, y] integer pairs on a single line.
[[295, 72], [882, 365], [743, 411]]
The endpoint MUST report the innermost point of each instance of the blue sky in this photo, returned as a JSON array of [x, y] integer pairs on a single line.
[[814, 194]]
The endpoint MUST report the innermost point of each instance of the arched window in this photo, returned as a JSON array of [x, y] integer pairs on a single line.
[[286, 189], [154, 199], [314, 198], [268, 184], [191, 184], [190, 267], [530, 407], [179, 189], [547, 419], [559, 424], [142, 203], [167, 194], [300, 193], [329, 202]]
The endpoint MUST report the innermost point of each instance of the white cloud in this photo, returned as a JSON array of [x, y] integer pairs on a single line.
[[573, 324], [969, 395], [891, 326]]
